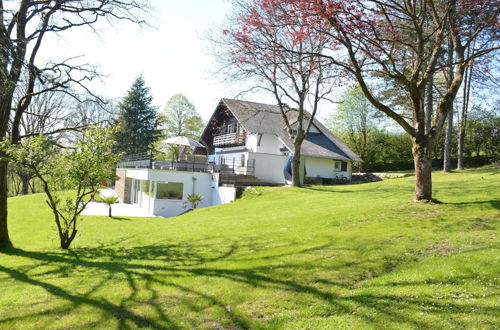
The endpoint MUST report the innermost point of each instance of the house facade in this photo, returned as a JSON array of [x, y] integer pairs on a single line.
[[160, 191], [254, 136], [246, 143]]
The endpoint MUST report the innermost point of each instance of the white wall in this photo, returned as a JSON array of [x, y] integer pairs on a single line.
[[251, 141], [203, 185], [269, 167], [324, 168], [223, 195], [269, 144]]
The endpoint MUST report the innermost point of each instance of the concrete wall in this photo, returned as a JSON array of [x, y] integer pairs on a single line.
[[269, 167], [120, 183], [223, 195], [203, 185], [325, 168]]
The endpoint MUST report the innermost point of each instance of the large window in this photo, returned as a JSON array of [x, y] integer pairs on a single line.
[[336, 165], [169, 190], [147, 184]]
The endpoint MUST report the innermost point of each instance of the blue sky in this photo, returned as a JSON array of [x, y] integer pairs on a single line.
[[172, 55]]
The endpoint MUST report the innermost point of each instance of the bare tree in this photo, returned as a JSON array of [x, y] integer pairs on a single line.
[[264, 45], [23, 29], [402, 41]]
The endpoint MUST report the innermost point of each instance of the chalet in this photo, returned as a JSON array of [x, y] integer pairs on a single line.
[[252, 137], [244, 143]]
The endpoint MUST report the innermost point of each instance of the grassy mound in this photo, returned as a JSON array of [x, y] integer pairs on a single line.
[[362, 256]]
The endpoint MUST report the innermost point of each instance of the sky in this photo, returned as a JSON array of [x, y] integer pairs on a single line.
[[172, 55]]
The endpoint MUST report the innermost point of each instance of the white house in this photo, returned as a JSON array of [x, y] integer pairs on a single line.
[[253, 135], [246, 144]]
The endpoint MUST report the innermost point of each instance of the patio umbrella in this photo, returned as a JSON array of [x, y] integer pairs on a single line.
[[183, 141]]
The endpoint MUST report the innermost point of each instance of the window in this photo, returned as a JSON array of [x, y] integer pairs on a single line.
[[336, 165], [147, 184], [169, 190], [344, 166]]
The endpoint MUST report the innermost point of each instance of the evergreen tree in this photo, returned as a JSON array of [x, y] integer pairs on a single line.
[[138, 120]]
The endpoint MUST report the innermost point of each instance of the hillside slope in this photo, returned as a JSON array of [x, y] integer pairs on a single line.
[[317, 257]]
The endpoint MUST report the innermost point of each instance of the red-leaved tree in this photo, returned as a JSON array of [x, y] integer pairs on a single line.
[[269, 43], [404, 44]]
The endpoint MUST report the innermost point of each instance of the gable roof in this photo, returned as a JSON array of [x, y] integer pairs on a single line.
[[267, 119]]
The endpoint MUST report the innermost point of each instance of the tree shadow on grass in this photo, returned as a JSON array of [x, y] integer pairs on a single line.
[[495, 203], [148, 268]]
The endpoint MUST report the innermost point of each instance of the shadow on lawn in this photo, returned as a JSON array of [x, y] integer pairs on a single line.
[[495, 203], [148, 268]]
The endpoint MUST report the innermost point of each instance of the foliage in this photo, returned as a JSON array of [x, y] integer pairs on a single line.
[[194, 200], [376, 42], [483, 134], [386, 151], [261, 44], [356, 119], [339, 257], [138, 120], [109, 200], [179, 118], [25, 27], [80, 169]]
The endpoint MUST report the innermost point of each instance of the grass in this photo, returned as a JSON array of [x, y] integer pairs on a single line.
[[361, 256]]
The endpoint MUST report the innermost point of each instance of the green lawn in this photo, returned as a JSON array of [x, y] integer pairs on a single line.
[[361, 256]]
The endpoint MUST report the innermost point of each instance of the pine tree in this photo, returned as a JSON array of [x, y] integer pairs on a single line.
[[138, 120]]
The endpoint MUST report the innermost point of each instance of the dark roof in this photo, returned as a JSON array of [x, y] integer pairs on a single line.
[[267, 119]]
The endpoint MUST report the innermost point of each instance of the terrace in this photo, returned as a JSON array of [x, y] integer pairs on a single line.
[[192, 163]]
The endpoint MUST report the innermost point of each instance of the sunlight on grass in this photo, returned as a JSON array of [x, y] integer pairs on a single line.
[[362, 256]]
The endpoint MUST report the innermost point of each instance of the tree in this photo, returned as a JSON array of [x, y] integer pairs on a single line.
[[280, 56], [109, 201], [483, 132], [23, 27], [69, 176], [194, 200], [138, 120], [46, 114], [402, 42], [179, 118], [356, 119]]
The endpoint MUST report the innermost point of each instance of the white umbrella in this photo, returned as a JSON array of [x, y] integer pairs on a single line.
[[183, 141]]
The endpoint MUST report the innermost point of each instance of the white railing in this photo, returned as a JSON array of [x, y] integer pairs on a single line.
[[229, 139]]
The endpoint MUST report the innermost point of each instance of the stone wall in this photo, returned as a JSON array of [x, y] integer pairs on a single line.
[[123, 185]]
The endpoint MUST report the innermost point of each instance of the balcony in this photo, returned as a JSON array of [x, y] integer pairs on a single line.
[[231, 139]]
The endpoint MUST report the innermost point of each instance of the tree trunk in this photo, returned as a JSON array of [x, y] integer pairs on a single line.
[[66, 240], [447, 142], [4, 231], [422, 157], [463, 119], [109, 213], [461, 141], [26, 183], [429, 104], [296, 179]]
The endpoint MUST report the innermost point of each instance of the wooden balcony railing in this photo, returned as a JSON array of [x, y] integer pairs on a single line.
[[232, 139]]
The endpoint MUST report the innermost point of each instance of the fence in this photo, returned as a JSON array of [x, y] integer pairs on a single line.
[[139, 160], [234, 165]]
